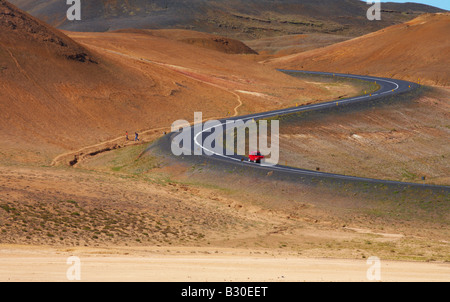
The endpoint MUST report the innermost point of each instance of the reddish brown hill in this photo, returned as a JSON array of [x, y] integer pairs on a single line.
[[221, 44], [292, 44], [417, 50], [205, 40], [18, 29], [57, 95], [60, 93]]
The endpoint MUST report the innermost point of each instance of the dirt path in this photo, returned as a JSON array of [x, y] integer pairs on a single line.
[[178, 264], [185, 71], [190, 73]]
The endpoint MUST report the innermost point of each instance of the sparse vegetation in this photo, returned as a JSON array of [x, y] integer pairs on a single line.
[[121, 196]]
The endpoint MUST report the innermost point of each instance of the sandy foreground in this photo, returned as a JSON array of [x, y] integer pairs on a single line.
[[181, 264]]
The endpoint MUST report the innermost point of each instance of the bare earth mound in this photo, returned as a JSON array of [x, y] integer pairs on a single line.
[[240, 19], [120, 209], [58, 95], [209, 41], [293, 44], [416, 50]]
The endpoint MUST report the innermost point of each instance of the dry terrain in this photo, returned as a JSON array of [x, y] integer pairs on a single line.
[[416, 51], [404, 140], [179, 264], [248, 19], [142, 215], [280, 46], [60, 94], [70, 184]]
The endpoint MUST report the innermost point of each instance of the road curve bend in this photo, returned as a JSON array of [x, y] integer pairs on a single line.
[[388, 88]]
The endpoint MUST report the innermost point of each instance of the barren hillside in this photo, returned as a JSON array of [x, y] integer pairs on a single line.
[[416, 50], [239, 19], [292, 44], [59, 95], [214, 42]]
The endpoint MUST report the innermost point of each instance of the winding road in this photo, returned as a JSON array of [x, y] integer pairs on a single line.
[[388, 87]]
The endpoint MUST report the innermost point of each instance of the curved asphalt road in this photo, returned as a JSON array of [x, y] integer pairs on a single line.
[[388, 87]]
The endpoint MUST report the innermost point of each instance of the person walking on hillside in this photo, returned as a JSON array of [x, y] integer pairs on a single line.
[[126, 136], [136, 136]]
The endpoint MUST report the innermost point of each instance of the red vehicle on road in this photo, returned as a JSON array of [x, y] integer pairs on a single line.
[[255, 157]]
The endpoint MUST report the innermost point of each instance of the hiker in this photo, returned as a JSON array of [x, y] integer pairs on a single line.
[[136, 136], [126, 136]]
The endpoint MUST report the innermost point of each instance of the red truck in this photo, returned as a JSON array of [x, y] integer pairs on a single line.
[[255, 157]]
